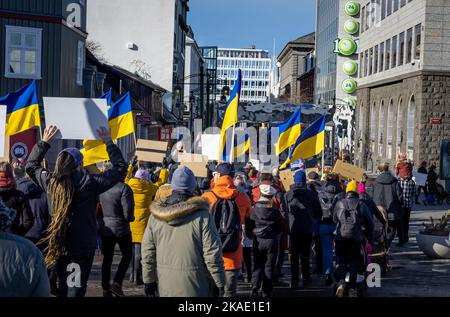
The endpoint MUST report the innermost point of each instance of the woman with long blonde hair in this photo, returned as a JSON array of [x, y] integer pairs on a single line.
[[71, 237]]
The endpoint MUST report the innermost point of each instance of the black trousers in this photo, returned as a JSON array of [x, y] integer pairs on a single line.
[[109, 244], [301, 248], [348, 255], [405, 223], [265, 253], [247, 255], [421, 188], [395, 229], [318, 252]]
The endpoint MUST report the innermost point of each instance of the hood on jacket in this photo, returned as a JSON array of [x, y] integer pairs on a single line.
[[139, 186], [386, 178], [176, 214], [225, 188], [273, 184]]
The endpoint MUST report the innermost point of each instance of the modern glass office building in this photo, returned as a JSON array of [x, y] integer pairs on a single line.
[[327, 31]]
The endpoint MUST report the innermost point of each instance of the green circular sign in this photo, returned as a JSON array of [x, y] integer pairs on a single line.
[[349, 86], [351, 26], [347, 46], [351, 8], [351, 102], [350, 68]]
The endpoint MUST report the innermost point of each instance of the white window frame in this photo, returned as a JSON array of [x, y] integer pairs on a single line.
[[80, 62], [23, 30]]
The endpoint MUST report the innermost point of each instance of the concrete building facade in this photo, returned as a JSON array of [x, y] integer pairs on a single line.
[[292, 65], [404, 81]]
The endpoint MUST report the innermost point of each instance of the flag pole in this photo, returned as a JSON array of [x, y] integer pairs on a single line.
[[232, 145]]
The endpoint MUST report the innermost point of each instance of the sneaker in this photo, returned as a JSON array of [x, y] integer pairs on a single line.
[[294, 284], [328, 280], [352, 292], [116, 290], [340, 290]]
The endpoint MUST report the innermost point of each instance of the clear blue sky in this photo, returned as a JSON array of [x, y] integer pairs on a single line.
[[242, 23]]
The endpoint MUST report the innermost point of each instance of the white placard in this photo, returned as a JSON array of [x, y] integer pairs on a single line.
[[76, 118], [256, 164], [2, 130], [420, 178], [210, 146]]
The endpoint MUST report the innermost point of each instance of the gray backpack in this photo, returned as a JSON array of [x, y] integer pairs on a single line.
[[350, 221]]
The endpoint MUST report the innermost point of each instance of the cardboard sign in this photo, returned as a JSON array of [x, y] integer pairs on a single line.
[[210, 146], [3, 150], [76, 118], [348, 171], [420, 179], [287, 178], [197, 163], [151, 151]]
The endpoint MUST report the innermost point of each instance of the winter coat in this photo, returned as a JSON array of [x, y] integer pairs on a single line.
[[432, 182], [38, 202], [22, 268], [278, 198], [388, 194], [365, 218], [379, 219], [303, 208], [143, 193], [225, 189], [81, 232], [181, 249], [15, 199], [268, 223], [117, 205]]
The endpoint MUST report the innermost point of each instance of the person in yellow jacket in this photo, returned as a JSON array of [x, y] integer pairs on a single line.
[[143, 192]]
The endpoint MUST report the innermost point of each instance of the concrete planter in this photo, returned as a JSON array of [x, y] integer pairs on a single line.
[[437, 247]]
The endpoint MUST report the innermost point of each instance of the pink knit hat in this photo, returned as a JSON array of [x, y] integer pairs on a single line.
[[361, 188]]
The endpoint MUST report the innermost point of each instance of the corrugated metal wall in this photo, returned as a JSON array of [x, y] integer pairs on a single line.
[[44, 7]]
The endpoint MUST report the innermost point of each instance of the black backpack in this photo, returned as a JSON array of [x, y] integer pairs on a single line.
[[228, 223], [326, 202], [350, 221]]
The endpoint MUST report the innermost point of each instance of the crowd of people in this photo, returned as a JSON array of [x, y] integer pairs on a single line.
[[185, 237]]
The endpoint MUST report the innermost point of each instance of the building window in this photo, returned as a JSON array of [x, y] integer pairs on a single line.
[[370, 60], [396, 5], [390, 123], [388, 54], [363, 19], [381, 130], [402, 3], [418, 34], [400, 123], [373, 127], [394, 52], [361, 121], [23, 52], [361, 65], [411, 123], [409, 38], [80, 63], [389, 7], [381, 57], [375, 63], [383, 9], [401, 56]]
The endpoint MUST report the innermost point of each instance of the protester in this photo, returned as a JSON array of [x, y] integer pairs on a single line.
[[403, 168], [423, 170], [143, 193], [408, 187], [354, 224], [73, 194], [22, 266], [16, 200], [327, 228], [379, 218], [432, 185], [228, 203], [315, 186], [38, 203], [268, 226], [303, 208], [181, 249], [117, 209], [387, 193], [252, 176]]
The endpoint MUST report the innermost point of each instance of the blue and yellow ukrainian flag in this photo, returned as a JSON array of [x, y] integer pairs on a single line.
[[22, 109], [241, 148], [288, 132], [310, 143], [120, 117], [231, 117]]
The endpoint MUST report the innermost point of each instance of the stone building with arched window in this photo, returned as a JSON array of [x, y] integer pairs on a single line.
[[404, 89]]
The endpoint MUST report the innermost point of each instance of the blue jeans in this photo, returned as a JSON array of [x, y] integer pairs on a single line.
[[65, 287], [326, 238]]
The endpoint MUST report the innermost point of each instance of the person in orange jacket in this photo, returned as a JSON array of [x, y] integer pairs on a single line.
[[225, 189]]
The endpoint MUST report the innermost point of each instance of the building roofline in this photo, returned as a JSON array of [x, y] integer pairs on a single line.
[[295, 43]]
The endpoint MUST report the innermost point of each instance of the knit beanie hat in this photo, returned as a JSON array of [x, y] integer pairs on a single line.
[[76, 155], [361, 188], [267, 190], [352, 187], [300, 178], [183, 180], [142, 174]]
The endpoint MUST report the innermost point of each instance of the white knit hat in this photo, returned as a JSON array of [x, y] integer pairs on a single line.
[[267, 190]]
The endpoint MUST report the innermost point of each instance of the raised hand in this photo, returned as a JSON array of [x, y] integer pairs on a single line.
[[104, 134], [49, 134]]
